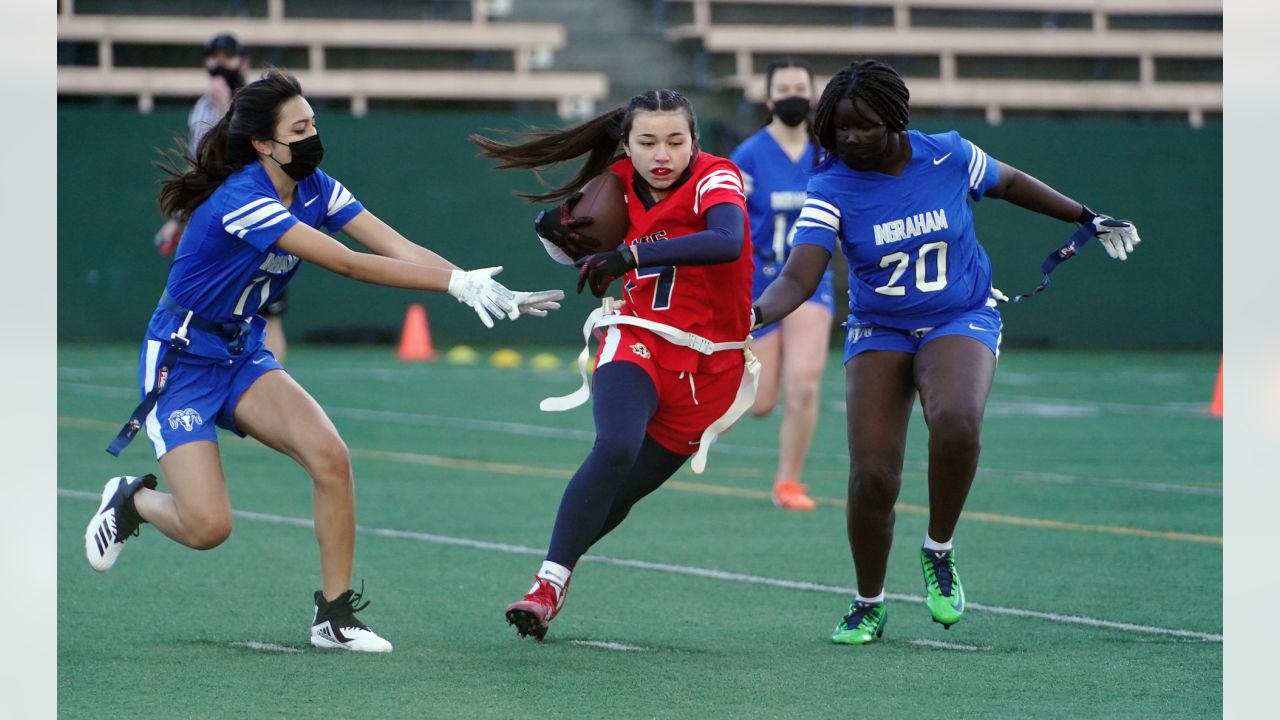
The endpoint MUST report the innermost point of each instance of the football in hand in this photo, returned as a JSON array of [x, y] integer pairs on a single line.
[[604, 200]]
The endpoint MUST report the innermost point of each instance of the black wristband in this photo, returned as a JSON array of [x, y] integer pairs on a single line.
[[1086, 215], [756, 319]]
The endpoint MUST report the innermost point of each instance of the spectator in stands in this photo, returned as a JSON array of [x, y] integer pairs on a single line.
[[226, 62], [775, 164], [253, 199], [922, 315]]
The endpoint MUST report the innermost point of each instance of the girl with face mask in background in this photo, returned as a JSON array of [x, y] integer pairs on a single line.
[[775, 164], [253, 199]]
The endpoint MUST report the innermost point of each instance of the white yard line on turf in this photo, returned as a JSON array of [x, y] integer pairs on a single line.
[[606, 645], [543, 431], [947, 645], [703, 572], [270, 647]]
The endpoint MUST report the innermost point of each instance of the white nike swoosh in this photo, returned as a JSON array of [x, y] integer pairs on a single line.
[[935, 162], [979, 329], [260, 360], [938, 161]]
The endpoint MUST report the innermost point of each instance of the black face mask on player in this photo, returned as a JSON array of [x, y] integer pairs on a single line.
[[307, 154], [792, 110]]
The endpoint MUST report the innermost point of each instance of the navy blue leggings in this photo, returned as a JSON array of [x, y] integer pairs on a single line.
[[624, 465]]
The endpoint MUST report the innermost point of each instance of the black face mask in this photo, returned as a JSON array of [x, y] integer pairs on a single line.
[[234, 78], [792, 110], [307, 154]]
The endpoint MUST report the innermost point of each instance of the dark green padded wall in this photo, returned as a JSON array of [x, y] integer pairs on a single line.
[[419, 173]]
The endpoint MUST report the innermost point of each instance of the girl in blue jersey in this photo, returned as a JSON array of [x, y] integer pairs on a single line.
[[922, 317], [775, 164], [253, 200]]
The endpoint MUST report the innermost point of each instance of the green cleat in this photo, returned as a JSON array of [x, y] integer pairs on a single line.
[[864, 623], [943, 593]]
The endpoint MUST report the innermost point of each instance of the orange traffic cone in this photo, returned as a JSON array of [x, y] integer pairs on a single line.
[[1215, 407], [415, 338]]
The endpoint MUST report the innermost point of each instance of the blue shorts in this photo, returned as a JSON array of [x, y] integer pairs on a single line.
[[764, 275], [200, 394], [983, 325]]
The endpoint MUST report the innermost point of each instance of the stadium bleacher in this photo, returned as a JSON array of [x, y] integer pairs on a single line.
[[975, 50], [531, 47]]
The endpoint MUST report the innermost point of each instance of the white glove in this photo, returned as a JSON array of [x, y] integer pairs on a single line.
[[536, 303], [1117, 236], [487, 296]]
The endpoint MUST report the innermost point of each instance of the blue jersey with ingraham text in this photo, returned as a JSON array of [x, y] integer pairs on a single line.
[[227, 265], [914, 259]]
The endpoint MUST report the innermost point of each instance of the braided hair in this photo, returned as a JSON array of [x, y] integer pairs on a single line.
[[599, 138], [876, 84]]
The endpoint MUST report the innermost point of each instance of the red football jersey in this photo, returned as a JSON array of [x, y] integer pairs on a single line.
[[713, 301]]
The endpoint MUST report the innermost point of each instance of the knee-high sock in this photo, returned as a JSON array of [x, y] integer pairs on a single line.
[[624, 399]]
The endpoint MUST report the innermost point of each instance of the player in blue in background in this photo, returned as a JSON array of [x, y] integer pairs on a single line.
[[922, 313], [775, 164], [253, 201]]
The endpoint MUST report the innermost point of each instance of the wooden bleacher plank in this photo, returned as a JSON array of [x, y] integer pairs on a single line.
[[406, 84], [263, 32], [861, 41], [1117, 7], [996, 97]]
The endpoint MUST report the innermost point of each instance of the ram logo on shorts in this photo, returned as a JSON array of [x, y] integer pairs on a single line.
[[640, 350], [857, 333], [188, 418]]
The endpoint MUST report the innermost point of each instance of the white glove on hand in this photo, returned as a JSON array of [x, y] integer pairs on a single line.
[[1117, 236], [536, 303], [487, 296]]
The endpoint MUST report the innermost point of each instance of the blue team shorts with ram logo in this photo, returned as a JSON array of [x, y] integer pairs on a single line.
[[200, 396], [983, 325]]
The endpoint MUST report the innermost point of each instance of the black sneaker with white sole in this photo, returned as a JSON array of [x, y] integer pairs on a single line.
[[115, 521], [335, 625]]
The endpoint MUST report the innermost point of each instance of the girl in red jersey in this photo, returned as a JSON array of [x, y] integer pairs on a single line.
[[673, 359]]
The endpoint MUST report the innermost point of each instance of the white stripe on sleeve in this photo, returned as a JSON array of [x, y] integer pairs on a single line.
[[226, 219], [338, 199], [707, 185], [267, 215], [820, 216], [977, 166], [812, 201], [719, 176]]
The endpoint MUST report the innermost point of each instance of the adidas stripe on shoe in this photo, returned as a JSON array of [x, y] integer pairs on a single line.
[[115, 521], [335, 626]]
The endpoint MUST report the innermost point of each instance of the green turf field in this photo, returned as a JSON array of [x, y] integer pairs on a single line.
[[1091, 551]]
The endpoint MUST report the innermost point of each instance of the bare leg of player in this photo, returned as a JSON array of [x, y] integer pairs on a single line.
[[879, 391]]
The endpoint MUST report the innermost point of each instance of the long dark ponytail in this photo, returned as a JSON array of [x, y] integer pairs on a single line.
[[599, 139], [227, 147]]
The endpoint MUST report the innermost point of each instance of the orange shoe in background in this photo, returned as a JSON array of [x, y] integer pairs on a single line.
[[791, 495]]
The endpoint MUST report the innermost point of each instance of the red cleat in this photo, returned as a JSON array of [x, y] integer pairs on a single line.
[[533, 613]]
